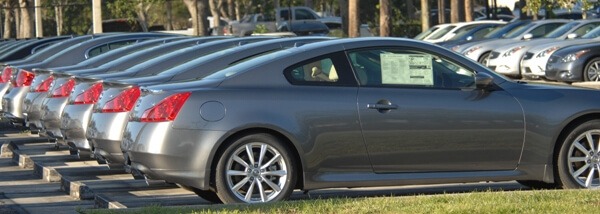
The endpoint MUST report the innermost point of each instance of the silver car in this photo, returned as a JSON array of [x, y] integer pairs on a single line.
[[23, 77], [480, 51], [117, 60], [68, 117], [533, 64], [105, 131], [357, 113], [506, 59]]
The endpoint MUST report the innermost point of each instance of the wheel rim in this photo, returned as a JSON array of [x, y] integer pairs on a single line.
[[592, 71], [584, 159], [256, 172]]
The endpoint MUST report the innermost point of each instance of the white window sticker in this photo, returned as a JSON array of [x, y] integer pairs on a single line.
[[407, 69]]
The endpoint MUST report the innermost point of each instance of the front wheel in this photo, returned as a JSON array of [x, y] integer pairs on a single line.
[[579, 157], [255, 168], [591, 71], [484, 58]]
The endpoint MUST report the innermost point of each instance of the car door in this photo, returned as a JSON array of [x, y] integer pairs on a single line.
[[420, 112]]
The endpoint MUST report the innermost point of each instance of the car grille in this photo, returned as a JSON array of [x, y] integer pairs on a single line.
[[528, 55], [553, 59], [494, 55]]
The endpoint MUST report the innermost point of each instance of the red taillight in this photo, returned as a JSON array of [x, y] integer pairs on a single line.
[[64, 90], [5, 78], [167, 109], [45, 85], [89, 96], [124, 101], [24, 78]]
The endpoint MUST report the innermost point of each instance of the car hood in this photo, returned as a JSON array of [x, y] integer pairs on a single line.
[[542, 47]]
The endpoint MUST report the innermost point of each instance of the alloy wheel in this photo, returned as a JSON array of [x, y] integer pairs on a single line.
[[584, 159]]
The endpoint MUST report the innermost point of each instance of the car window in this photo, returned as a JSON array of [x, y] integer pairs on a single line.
[[107, 47], [586, 29], [544, 29], [482, 32], [324, 70], [302, 14], [408, 68], [442, 32]]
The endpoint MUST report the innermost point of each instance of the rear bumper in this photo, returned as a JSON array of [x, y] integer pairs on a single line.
[[12, 102], [74, 122], [52, 109], [105, 133]]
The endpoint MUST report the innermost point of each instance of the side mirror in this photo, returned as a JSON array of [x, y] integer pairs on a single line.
[[527, 36], [483, 80], [571, 36]]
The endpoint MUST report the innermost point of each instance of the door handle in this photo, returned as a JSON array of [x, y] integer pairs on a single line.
[[382, 106]]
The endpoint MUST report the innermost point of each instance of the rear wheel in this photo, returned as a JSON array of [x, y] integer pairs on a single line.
[[255, 168], [578, 161], [591, 71]]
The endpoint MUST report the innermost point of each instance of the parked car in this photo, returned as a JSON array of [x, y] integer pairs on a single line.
[[448, 32], [119, 59], [338, 114], [575, 63], [59, 108], [12, 101], [495, 34], [506, 59], [105, 129], [471, 33], [533, 64], [480, 51], [23, 50]]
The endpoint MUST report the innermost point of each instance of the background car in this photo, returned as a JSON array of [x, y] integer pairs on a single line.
[[575, 63]]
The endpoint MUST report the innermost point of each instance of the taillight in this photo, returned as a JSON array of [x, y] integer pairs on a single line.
[[167, 109], [89, 96], [123, 102], [5, 78], [24, 78], [64, 90], [45, 85]]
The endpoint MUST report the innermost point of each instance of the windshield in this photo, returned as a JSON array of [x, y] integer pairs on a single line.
[[518, 31], [561, 30], [592, 34], [442, 32], [422, 35], [502, 30], [462, 31]]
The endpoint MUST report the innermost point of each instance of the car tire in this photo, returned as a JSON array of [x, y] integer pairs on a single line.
[[207, 195], [578, 161], [269, 174], [483, 59], [591, 72], [536, 184]]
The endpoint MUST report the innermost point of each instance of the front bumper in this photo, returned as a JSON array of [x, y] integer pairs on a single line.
[[505, 65], [105, 133], [175, 155], [535, 66], [568, 72]]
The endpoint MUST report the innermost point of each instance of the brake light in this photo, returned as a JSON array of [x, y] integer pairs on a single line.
[[24, 78], [45, 85], [5, 78], [89, 96], [167, 109], [124, 101], [64, 90]]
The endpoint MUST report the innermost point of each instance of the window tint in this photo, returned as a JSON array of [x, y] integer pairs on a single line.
[[316, 71], [302, 14], [331, 69], [107, 47], [408, 68], [544, 29]]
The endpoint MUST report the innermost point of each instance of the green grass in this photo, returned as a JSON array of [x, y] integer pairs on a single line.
[[539, 201]]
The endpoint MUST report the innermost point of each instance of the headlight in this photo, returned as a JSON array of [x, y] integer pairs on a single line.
[[574, 56], [471, 50], [512, 51], [547, 52]]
